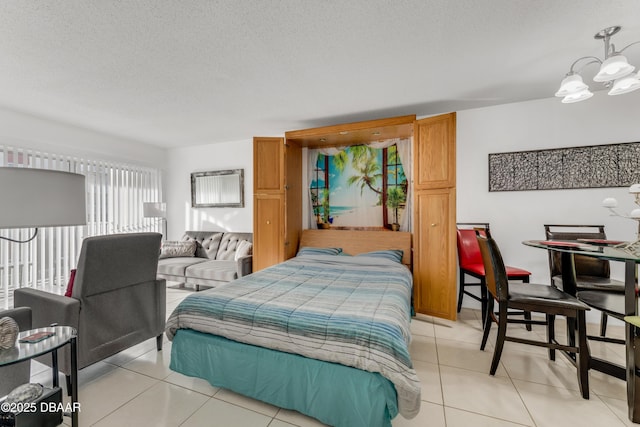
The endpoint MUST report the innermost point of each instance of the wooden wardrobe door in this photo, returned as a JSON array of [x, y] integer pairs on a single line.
[[434, 216], [292, 198], [268, 235], [277, 217], [435, 154], [434, 256], [268, 165]]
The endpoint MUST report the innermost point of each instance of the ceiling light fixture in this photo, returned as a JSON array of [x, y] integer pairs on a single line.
[[615, 72]]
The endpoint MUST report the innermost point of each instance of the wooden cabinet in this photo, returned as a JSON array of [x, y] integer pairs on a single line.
[[435, 155], [268, 226], [434, 260], [268, 165], [277, 198], [434, 267]]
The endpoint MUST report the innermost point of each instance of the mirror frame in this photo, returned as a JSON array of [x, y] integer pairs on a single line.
[[196, 175]]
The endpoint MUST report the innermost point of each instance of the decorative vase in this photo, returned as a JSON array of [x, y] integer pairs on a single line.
[[323, 225], [8, 333], [395, 227]]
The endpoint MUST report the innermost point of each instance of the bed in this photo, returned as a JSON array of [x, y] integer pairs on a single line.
[[323, 333]]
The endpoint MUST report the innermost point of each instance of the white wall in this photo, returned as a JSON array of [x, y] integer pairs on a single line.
[[26, 131], [182, 162], [519, 215]]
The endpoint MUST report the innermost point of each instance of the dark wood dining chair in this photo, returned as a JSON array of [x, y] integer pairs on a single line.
[[536, 298], [470, 263], [593, 282]]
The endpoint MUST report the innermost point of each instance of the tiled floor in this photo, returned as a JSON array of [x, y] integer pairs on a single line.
[[137, 388]]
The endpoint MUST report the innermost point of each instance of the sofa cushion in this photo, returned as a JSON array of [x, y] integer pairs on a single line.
[[224, 271], [244, 248], [229, 244], [175, 249], [177, 266], [207, 242]]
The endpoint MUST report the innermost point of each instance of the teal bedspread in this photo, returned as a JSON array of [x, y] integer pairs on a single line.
[[353, 311], [335, 394]]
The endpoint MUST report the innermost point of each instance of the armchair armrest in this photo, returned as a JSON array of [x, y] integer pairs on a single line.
[[245, 265], [22, 316], [48, 308]]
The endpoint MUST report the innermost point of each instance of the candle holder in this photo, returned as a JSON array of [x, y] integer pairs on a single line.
[[611, 204]]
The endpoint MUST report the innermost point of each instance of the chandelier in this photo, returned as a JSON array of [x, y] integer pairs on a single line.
[[615, 72]]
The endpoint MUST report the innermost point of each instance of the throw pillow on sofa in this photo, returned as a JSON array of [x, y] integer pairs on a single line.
[[244, 248], [173, 249], [72, 277]]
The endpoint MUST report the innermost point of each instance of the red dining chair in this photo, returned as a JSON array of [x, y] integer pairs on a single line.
[[470, 262]]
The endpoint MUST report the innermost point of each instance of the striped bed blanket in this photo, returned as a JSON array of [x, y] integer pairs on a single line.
[[349, 310]]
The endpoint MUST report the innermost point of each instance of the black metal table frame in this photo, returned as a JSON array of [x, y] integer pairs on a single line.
[[630, 372], [72, 342]]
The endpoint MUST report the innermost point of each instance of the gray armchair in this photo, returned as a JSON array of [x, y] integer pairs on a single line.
[[116, 301], [14, 375]]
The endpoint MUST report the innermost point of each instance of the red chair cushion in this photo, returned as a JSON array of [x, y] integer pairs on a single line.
[[516, 272], [478, 269], [470, 258], [468, 249]]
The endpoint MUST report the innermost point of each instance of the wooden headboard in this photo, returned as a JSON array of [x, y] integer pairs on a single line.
[[355, 242]]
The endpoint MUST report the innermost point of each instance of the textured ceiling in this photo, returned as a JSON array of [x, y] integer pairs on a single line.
[[177, 73]]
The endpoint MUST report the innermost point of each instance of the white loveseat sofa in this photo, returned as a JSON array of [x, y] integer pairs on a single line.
[[213, 262]]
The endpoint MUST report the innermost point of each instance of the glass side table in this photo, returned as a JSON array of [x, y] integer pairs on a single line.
[[64, 335]]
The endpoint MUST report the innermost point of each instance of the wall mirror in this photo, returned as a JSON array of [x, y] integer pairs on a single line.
[[218, 189]]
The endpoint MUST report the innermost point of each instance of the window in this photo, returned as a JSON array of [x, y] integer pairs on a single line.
[[115, 194]]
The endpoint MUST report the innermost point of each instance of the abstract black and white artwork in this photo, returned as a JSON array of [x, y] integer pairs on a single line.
[[612, 165]]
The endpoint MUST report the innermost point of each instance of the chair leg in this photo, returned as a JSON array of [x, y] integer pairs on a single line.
[[483, 299], [551, 334], [460, 291], [68, 384], [159, 342], [487, 324], [603, 324], [527, 316], [583, 358], [502, 333]]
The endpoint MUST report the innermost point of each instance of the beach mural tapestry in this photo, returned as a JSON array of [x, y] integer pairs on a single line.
[[358, 186]]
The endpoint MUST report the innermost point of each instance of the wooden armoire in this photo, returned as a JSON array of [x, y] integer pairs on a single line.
[[278, 198]]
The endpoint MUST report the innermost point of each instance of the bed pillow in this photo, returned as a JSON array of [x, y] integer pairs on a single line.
[[390, 254], [306, 250], [244, 248], [182, 248]]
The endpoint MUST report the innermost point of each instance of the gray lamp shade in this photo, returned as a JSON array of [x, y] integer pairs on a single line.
[[154, 210], [41, 198]]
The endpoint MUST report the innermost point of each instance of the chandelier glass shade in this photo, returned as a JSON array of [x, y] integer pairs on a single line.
[[615, 72]]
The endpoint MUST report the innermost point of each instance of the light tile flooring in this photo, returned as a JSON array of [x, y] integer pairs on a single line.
[[136, 387]]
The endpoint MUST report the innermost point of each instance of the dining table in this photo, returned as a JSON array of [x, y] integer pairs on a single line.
[[618, 252]]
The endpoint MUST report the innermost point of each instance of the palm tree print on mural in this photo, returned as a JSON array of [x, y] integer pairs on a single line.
[[359, 179]]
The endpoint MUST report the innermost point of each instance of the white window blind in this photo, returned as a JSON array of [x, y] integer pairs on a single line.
[[115, 195]]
